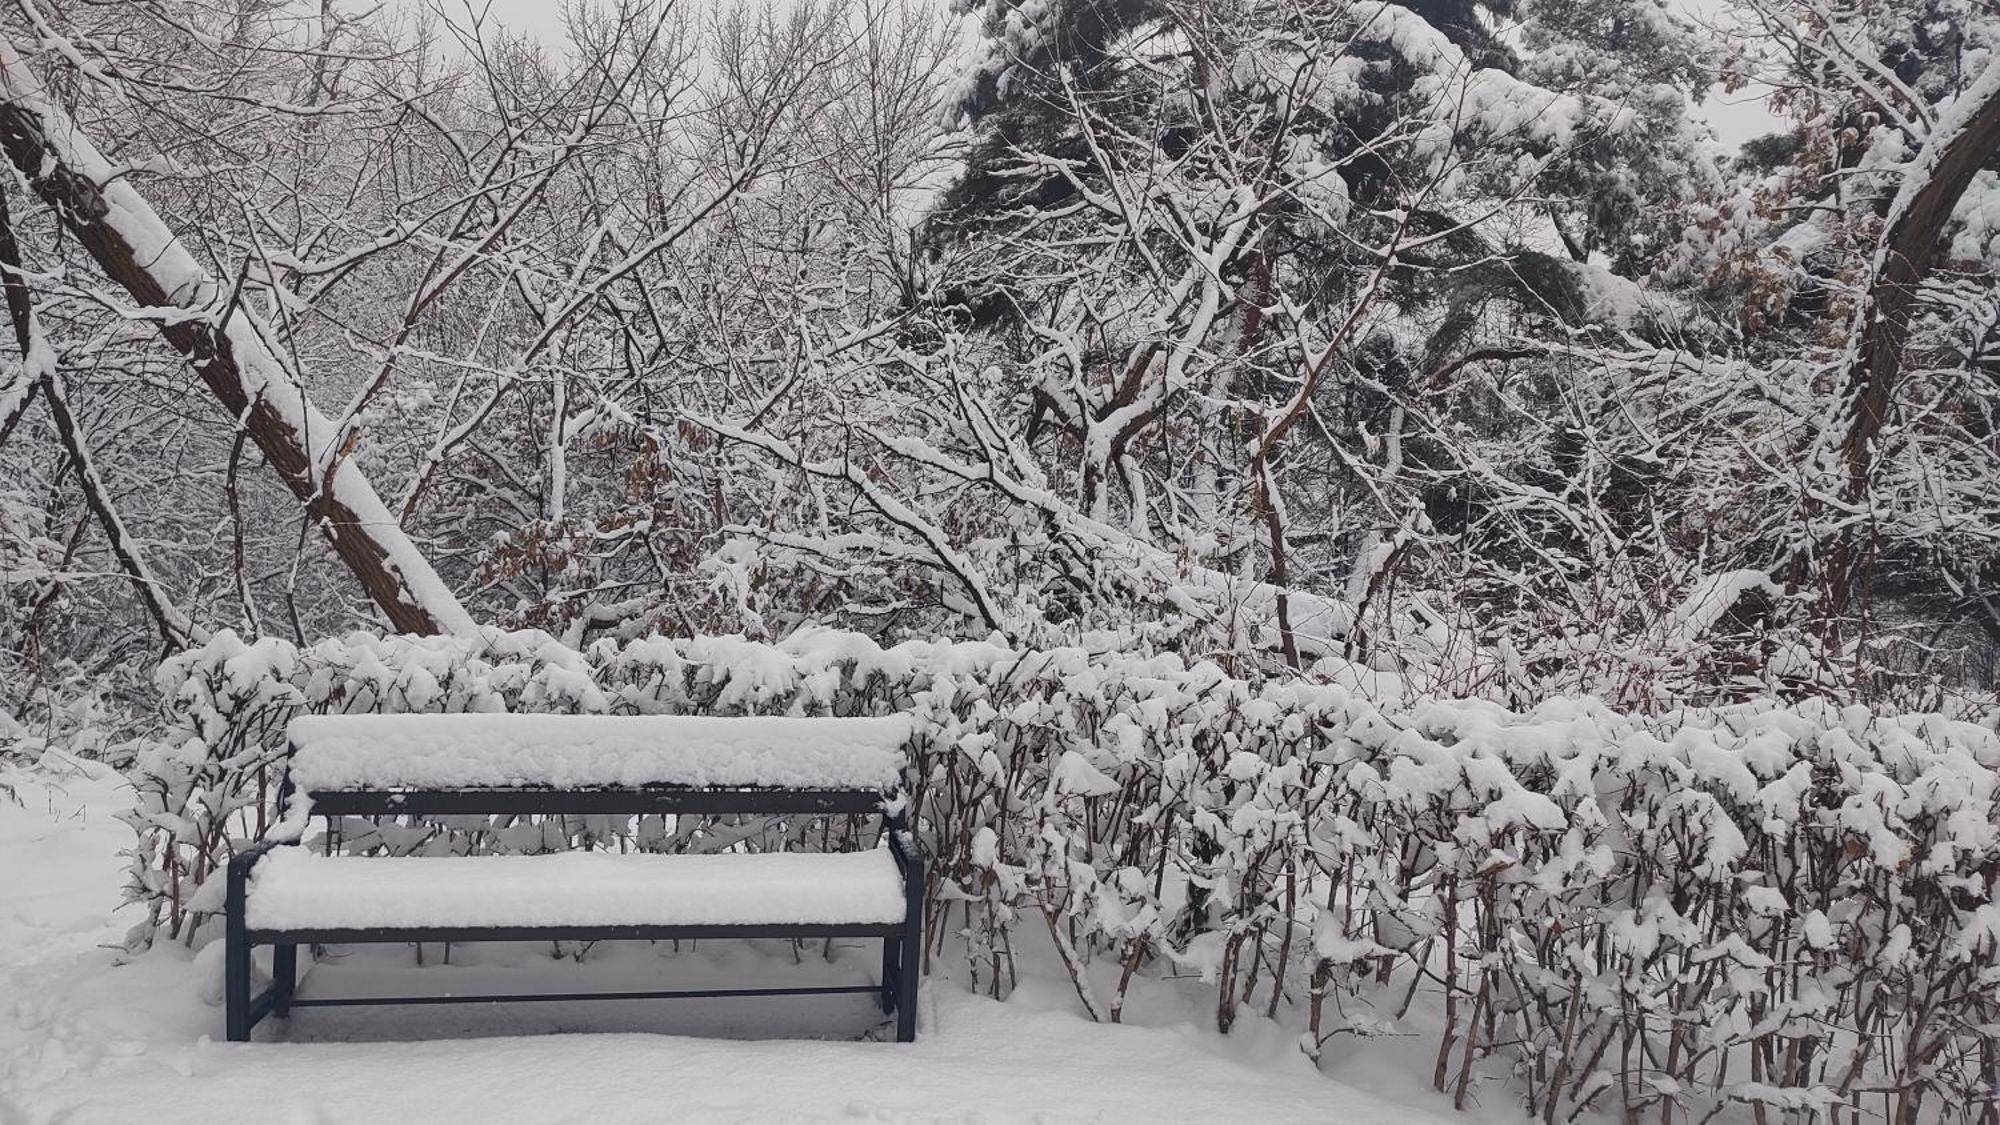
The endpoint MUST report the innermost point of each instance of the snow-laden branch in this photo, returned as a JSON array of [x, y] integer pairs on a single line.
[[1095, 552], [947, 556]]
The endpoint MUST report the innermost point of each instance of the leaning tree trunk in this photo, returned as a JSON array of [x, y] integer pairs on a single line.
[[1966, 136], [225, 344]]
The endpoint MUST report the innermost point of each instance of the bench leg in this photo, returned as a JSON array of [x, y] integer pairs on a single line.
[[911, 953], [236, 979], [890, 948], [285, 978], [241, 1010], [910, 957], [910, 944]]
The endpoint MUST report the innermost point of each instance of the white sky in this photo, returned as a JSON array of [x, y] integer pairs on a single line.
[[543, 17], [1736, 117], [1741, 116]]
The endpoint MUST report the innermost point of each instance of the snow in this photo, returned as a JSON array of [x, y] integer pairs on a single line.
[[1493, 100], [93, 1036], [1608, 298], [1975, 222], [294, 888], [465, 751], [1713, 596]]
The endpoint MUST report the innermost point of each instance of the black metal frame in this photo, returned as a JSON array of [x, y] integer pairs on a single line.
[[902, 942]]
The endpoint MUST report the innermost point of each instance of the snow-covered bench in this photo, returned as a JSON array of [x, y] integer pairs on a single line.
[[451, 765]]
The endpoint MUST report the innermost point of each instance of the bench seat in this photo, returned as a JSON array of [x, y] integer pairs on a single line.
[[293, 890]]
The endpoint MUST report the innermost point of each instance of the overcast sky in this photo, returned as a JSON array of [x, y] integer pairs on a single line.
[[543, 17]]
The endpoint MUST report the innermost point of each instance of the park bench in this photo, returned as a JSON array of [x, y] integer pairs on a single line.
[[284, 895]]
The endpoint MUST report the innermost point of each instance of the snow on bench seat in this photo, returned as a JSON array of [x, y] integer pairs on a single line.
[[495, 751], [294, 889]]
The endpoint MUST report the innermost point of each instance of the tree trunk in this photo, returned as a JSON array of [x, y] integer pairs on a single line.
[[1966, 136], [226, 345]]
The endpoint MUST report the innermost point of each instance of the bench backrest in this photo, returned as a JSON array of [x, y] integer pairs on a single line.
[[441, 765]]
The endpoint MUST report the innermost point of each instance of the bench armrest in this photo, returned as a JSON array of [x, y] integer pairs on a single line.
[[238, 873], [248, 857], [903, 845], [909, 854]]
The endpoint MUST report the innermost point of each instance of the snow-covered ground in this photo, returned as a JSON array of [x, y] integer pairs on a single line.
[[89, 1034]]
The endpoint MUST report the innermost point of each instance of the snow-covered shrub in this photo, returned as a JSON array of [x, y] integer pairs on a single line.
[[1790, 906]]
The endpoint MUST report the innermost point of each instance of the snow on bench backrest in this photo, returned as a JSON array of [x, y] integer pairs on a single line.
[[333, 753]]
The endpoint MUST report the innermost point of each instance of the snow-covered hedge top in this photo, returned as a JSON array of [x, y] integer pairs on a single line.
[[1792, 881], [468, 751]]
